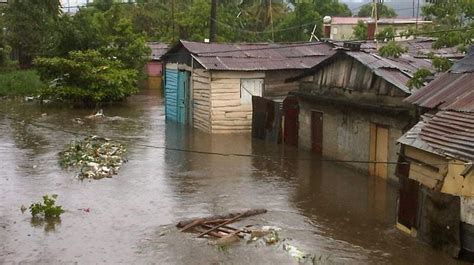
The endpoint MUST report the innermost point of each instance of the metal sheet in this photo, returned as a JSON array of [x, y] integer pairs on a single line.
[[171, 94], [446, 133], [259, 56]]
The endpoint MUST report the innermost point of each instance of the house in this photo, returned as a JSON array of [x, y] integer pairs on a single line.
[[154, 67], [342, 28], [437, 177], [210, 85], [350, 108]]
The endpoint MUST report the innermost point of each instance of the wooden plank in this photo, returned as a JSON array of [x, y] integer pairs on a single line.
[[247, 213], [191, 225], [222, 224]]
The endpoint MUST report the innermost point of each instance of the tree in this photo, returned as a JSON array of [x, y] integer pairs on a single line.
[[386, 34], [419, 78], [360, 30], [454, 21], [30, 27], [382, 11], [298, 25], [86, 78], [392, 49]]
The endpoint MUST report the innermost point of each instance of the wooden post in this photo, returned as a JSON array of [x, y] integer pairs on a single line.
[[213, 22]]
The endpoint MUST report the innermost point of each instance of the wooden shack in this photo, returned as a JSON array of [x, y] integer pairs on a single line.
[[210, 86], [437, 176], [351, 109], [154, 66]]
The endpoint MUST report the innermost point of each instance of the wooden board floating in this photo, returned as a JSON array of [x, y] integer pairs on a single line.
[[218, 225]]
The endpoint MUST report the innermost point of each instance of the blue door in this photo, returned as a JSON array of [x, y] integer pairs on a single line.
[[171, 94], [183, 97]]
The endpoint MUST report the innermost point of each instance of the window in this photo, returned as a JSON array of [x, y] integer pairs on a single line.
[[249, 88]]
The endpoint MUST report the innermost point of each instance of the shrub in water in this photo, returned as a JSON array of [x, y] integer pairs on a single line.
[[47, 209]]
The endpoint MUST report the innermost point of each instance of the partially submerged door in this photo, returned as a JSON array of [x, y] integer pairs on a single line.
[[249, 88], [379, 150], [290, 127], [183, 96], [317, 132]]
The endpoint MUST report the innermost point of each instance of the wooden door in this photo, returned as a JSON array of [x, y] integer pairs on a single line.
[[183, 96], [249, 88], [317, 132], [379, 150], [291, 112]]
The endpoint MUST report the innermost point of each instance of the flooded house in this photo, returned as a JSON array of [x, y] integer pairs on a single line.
[[210, 85], [437, 178], [350, 108], [154, 66]]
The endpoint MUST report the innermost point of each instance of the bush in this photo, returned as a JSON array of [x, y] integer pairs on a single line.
[[20, 83], [86, 78], [419, 78], [48, 209], [392, 49]]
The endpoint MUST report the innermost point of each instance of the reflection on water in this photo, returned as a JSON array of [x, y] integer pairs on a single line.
[[324, 209]]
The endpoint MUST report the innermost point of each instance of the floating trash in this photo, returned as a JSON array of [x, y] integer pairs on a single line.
[[95, 157]]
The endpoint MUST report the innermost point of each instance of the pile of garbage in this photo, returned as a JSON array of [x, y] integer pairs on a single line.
[[95, 157]]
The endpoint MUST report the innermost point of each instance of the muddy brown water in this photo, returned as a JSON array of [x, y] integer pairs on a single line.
[[325, 209]]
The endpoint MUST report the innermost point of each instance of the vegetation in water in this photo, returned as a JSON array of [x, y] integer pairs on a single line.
[[20, 83], [46, 209], [86, 78], [419, 78], [392, 49], [95, 157]]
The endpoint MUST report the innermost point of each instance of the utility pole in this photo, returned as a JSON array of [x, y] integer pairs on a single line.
[[271, 20], [213, 22], [172, 19]]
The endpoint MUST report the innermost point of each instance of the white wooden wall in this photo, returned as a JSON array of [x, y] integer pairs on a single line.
[[228, 113], [201, 100]]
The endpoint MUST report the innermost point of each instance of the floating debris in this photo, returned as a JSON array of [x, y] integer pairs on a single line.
[[98, 115], [95, 157]]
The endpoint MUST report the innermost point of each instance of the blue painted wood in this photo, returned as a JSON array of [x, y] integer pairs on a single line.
[[171, 94], [183, 96]]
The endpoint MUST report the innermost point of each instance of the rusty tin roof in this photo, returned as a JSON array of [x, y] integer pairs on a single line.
[[158, 49], [258, 56], [446, 133], [454, 90]]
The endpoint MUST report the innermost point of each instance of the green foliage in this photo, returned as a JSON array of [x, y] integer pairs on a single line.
[[382, 11], [304, 14], [419, 78], [20, 83], [30, 25], [47, 209], [392, 49], [86, 78], [454, 20], [386, 34], [441, 64], [360, 30]]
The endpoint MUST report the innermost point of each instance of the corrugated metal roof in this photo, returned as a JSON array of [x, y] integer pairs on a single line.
[[260, 56], [420, 47], [354, 20], [450, 91], [447, 133], [157, 50], [395, 70]]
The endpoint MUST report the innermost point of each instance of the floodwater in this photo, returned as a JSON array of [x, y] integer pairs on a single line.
[[324, 209]]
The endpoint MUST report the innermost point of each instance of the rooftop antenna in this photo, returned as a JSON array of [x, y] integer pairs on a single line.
[[313, 35]]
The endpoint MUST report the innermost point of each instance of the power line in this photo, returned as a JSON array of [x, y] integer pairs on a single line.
[[239, 154]]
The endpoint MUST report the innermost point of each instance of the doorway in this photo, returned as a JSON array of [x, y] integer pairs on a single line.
[[378, 150], [317, 132]]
